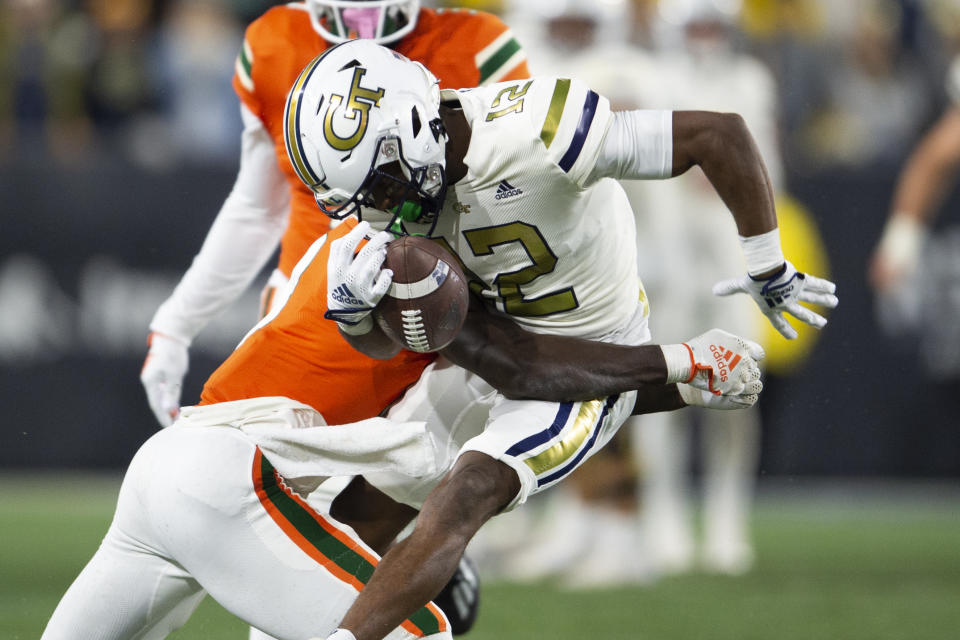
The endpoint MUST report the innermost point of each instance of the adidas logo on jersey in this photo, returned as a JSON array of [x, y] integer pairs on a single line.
[[346, 297], [506, 190]]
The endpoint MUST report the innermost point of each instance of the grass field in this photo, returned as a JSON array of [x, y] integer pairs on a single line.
[[838, 564]]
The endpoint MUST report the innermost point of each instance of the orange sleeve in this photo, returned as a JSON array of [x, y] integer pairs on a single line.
[[499, 55], [465, 48], [275, 48]]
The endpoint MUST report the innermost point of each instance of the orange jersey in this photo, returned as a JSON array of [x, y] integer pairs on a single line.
[[462, 48], [296, 353]]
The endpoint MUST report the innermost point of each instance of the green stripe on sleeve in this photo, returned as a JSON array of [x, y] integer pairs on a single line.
[[246, 57], [498, 59]]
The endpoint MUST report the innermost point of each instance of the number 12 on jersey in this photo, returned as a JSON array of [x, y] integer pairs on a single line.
[[512, 95]]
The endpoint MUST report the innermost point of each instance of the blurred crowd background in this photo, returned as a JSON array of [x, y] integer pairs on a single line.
[[147, 81], [119, 139]]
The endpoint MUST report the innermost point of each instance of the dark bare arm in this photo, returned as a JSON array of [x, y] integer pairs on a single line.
[[523, 364], [375, 343], [722, 146]]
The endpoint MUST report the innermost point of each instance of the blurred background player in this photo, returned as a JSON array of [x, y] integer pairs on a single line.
[[923, 184], [699, 66], [463, 49]]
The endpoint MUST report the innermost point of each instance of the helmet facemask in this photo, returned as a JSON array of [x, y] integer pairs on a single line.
[[383, 21], [396, 195]]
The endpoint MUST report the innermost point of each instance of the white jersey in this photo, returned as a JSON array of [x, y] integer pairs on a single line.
[[540, 242]]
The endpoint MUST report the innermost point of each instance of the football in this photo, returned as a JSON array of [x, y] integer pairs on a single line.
[[427, 302]]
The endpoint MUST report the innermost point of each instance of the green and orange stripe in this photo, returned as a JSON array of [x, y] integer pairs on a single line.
[[330, 547], [499, 58]]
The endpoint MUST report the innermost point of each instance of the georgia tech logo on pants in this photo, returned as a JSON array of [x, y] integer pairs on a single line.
[[358, 102]]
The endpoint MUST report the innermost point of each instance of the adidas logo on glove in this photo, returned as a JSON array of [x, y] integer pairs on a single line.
[[726, 361], [344, 296]]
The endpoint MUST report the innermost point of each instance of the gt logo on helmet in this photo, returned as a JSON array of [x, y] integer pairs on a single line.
[[359, 102]]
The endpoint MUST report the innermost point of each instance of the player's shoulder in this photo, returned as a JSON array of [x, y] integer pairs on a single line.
[[542, 101], [278, 25], [466, 38], [275, 48], [565, 114]]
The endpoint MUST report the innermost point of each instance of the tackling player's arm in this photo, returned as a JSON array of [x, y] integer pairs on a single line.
[[523, 364], [526, 365]]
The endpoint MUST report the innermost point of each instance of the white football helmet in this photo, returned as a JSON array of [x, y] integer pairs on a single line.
[[362, 121], [382, 21]]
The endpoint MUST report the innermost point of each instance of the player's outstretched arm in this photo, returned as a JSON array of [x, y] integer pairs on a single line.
[[523, 364], [722, 146]]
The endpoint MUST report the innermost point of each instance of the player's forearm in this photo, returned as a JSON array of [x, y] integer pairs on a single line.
[[930, 170], [242, 238], [576, 371], [232, 255], [657, 398], [522, 364], [722, 146], [373, 343]]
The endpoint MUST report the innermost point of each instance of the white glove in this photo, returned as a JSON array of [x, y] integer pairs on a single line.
[[162, 376], [899, 252], [355, 284], [698, 398], [783, 292], [717, 362]]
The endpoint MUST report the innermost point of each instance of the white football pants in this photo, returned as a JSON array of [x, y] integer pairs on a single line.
[[202, 510]]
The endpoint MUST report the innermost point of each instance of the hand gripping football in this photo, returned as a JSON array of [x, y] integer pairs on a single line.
[[427, 302]]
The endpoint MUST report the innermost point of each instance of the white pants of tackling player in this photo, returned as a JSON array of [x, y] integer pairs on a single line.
[[202, 510], [542, 441]]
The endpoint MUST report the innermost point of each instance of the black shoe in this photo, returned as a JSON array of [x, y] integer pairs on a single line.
[[460, 599]]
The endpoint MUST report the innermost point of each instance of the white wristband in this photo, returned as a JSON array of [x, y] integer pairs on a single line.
[[363, 327], [902, 240], [679, 359], [339, 634], [762, 252]]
